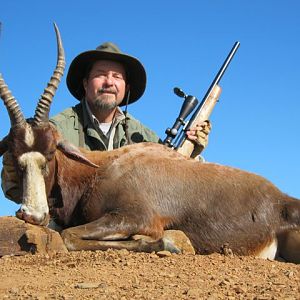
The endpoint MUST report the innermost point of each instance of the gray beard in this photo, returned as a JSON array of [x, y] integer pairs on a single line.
[[101, 105]]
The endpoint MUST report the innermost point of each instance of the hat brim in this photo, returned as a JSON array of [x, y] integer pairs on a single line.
[[134, 70]]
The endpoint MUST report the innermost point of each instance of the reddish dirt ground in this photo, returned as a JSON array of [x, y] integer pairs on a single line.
[[119, 274]]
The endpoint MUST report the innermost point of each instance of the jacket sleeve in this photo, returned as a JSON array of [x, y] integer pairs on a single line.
[[66, 123], [9, 179]]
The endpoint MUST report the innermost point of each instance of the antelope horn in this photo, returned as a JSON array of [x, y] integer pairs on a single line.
[[15, 114], [43, 107]]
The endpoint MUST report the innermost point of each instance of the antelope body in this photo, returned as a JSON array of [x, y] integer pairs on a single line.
[[103, 199]]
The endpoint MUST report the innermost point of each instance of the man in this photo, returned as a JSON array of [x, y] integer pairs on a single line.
[[103, 80]]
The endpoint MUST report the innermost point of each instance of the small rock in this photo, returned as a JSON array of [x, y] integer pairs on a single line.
[[163, 253], [193, 293], [14, 290], [87, 285], [289, 274], [239, 290]]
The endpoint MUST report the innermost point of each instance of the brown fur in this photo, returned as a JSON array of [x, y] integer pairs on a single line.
[[146, 188]]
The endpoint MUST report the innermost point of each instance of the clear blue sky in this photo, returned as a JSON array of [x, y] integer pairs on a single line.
[[181, 43]]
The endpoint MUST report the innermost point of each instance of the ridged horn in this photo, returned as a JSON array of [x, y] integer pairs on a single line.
[[15, 114], [43, 106]]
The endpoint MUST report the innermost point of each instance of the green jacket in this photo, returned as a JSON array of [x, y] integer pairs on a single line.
[[77, 127]]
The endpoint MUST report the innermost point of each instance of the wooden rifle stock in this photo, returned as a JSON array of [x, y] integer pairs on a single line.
[[187, 148], [202, 113]]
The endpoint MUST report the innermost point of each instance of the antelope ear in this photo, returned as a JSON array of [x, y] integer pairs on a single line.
[[3, 146], [74, 153]]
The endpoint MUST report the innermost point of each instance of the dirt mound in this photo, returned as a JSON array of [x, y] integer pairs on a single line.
[[119, 274]]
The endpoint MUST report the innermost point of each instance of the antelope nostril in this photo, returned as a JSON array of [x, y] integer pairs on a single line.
[[23, 209], [20, 214]]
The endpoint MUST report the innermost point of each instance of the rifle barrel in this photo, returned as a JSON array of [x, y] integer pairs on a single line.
[[214, 83]]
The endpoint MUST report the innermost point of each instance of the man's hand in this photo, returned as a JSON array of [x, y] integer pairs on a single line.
[[199, 134]]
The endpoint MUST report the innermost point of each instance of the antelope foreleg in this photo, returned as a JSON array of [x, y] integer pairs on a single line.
[[74, 242], [174, 241], [113, 230]]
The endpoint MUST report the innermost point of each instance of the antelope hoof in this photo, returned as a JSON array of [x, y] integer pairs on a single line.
[[177, 242]]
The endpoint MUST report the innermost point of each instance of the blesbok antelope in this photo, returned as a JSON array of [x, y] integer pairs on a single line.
[[103, 199]]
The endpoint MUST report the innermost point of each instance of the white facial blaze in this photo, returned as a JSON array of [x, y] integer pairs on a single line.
[[29, 137], [34, 200]]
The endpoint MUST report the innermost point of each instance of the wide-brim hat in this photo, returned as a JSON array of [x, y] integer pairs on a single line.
[[135, 72]]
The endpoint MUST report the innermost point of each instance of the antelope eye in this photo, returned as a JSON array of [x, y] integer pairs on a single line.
[[44, 169], [21, 168]]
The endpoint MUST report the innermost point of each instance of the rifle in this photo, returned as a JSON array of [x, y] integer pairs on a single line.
[[202, 113]]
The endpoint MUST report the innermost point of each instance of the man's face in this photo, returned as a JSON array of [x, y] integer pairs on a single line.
[[105, 86]]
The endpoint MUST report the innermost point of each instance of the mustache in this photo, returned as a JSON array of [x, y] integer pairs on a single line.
[[107, 90]]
